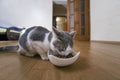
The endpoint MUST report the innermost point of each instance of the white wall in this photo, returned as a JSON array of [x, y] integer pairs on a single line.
[[26, 13], [105, 20]]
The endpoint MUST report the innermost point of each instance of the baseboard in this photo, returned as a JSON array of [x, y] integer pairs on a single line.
[[108, 42]]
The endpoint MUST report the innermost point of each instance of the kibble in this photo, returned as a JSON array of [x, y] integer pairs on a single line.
[[63, 56]]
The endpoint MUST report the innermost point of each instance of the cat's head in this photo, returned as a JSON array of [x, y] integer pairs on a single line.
[[62, 41]]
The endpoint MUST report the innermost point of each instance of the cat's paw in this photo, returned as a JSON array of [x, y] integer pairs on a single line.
[[44, 58]]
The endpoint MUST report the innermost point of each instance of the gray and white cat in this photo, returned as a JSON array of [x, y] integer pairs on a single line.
[[38, 40]]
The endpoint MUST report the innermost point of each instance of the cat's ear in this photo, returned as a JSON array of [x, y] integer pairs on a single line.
[[56, 32], [72, 34]]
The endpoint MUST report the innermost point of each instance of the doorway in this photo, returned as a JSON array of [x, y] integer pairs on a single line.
[[60, 14], [77, 13], [61, 23]]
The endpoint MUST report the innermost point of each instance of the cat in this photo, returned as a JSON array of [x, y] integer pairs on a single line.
[[38, 40]]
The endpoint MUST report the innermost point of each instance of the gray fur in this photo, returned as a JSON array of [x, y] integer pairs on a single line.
[[50, 36], [23, 38], [39, 34], [64, 39], [39, 40]]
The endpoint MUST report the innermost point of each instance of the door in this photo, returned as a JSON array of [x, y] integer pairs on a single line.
[[79, 19]]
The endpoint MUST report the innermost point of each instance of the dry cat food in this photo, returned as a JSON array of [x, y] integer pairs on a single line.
[[62, 56]]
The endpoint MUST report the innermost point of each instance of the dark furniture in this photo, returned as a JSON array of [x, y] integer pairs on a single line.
[[11, 33]]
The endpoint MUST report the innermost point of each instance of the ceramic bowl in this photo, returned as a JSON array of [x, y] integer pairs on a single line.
[[63, 61]]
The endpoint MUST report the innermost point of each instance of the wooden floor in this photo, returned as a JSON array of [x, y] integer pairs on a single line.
[[98, 61]]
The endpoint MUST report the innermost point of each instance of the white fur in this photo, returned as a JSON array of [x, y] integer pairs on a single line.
[[44, 45], [40, 47], [46, 42], [67, 51], [52, 40], [30, 42], [35, 46], [69, 48], [21, 50]]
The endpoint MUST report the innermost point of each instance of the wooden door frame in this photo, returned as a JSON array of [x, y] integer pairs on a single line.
[[68, 18], [76, 19]]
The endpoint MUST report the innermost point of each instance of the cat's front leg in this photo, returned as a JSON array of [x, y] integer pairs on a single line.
[[44, 56], [24, 52], [41, 52]]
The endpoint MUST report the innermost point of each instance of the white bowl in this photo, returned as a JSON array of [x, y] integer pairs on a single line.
[[63, 61]]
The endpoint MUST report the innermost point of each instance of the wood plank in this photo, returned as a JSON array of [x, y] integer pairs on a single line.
[[97, 61]]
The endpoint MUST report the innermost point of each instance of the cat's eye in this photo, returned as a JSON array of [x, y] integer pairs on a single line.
[[59, 45]]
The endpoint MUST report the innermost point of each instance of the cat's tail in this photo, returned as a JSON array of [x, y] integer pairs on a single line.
[[9, 48]]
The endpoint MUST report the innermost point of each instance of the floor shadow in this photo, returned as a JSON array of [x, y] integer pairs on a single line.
[[81, 64], [37, 56]]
